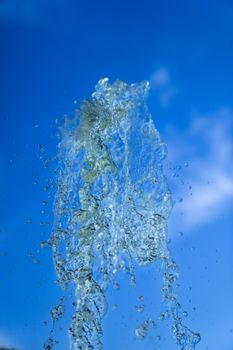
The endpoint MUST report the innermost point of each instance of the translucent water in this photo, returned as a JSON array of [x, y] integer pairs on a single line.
[[111, 209]]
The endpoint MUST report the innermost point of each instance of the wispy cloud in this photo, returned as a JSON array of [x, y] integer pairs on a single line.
[[160, 81], [206, 184]]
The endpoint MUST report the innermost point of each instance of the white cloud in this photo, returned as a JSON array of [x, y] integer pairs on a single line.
[[160, 81], [206, 185]]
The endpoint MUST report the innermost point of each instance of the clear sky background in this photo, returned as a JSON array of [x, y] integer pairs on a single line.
[[52, 53]]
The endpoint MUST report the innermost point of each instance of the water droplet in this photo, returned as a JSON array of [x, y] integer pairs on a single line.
[[45, 244], [116, 285], [57, 312], [33, 258], [139, 308], [141, 298], [142, 330]]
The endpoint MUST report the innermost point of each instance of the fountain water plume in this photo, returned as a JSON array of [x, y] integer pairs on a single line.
[[111, 207]]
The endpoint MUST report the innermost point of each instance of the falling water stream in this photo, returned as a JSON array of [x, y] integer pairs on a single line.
[[111, 208]]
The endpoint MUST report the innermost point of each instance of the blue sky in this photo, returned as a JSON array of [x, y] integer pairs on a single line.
[[52, 54]]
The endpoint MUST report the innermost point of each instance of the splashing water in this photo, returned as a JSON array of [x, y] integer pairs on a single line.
[[111, 207]]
